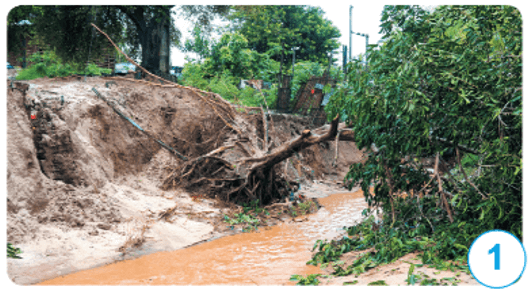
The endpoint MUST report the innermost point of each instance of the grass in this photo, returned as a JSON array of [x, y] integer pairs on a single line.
[[249, 221], [12, 252], [306, 207], [310, 280], [378, 283], [49, 65]]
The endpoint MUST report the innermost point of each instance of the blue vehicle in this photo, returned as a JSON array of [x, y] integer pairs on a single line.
[[176, 71], [124, 68]]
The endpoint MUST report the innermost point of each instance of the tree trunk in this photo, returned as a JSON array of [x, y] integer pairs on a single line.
[[150, 42], [152, 33]]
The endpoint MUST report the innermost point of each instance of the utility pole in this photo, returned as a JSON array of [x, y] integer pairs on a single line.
[[366, 53], [351, 7], [366, 48], [294, 49], [344, 57]]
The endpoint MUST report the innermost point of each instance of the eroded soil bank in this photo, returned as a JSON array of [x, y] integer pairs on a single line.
[[84, 187], [266, 257]]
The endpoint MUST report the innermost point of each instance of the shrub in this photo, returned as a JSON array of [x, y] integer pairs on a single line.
[[49, 65]]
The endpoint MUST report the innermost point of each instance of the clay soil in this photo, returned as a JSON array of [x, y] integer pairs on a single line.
[[84, 186]]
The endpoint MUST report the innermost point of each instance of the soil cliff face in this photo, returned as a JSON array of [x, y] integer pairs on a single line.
[[65, 145]]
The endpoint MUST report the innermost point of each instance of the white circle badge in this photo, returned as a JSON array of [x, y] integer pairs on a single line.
[[496, 259]]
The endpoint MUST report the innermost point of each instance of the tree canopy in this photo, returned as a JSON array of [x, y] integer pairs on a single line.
[[68, 31], [17, 29], [270, 28], [445, 85]]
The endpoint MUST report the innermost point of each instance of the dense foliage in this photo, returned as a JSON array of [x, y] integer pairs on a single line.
[[445, 85], [67, 30], [17, 27], [275, 28], [226, 62]]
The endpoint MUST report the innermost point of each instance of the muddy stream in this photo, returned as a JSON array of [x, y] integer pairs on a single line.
[[267, 257]]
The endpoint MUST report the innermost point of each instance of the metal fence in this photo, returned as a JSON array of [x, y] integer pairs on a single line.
[[308, 101]]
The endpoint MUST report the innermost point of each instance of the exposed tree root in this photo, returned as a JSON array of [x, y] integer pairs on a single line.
[[240, 173], [244, 168]]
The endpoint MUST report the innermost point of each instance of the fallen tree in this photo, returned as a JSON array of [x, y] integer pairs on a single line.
[[243, 168], [238, 171]]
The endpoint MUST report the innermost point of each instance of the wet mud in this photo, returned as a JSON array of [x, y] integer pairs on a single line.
[[267, 257]]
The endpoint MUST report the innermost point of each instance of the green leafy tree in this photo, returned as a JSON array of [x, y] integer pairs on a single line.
[[445, 85], [276, 28], [232, 53], [228, 62], [68, 31], [200, 44], [17, 27]]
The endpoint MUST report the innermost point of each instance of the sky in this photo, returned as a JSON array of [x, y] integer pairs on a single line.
[[365, 19]]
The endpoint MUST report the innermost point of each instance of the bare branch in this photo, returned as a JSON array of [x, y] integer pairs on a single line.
[[440, 188]]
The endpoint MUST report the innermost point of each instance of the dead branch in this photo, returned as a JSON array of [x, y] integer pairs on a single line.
[[240, 145], [390, 182], [348, 136], [440, 188], [252, 177], [266, 106], [285, 151]]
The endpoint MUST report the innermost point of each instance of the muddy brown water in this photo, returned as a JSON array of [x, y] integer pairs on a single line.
[[267, 257]]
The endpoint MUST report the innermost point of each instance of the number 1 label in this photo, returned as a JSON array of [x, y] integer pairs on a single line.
[[480, 259], [497, 251]]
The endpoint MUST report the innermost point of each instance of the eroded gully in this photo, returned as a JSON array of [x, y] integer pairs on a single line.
[[267, 257]]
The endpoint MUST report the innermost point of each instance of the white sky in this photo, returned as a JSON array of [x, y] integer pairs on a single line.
[[365, 19]]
